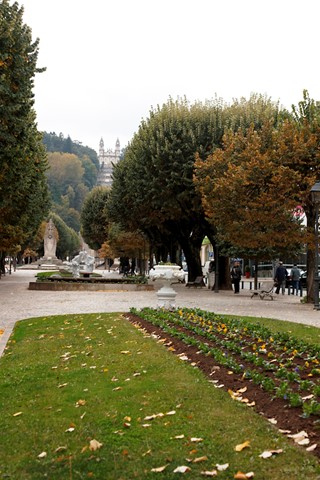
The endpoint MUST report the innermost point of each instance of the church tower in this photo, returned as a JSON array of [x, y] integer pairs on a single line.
[[107, 158]]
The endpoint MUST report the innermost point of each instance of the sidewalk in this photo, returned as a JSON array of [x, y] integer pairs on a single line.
[[18, 303]]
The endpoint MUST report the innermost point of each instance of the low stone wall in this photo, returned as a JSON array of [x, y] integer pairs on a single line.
[[90, 287]]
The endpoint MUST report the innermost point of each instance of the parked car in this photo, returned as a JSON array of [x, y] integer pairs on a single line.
[[303, 279]]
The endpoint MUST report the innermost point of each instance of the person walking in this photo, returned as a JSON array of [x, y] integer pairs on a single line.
[[236, 276], [280, 278], [295, 278]]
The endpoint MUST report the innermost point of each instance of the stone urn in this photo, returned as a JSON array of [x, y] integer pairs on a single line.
[[165, 275]]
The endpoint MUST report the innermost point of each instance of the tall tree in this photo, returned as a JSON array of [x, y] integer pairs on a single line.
[[153, 187], [94, 217], [23, 190], [299, 149], [69, 242], [250, 196]]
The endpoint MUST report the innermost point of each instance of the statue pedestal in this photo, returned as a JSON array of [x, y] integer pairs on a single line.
[[166, 297], [166, 274]]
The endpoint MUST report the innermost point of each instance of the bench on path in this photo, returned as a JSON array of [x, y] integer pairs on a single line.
[[197, 283], [265, 291]]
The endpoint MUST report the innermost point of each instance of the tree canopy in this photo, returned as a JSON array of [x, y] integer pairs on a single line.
[[95, 218], [250, 196], [153, 187], [23, 188]]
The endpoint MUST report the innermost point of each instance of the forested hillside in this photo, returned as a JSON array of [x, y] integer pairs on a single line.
[[72, 173]]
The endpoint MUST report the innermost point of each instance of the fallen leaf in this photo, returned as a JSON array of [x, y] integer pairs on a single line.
[[127, 419], [195, 439], [94, 445], [178, 437], [172, 412], [208, 473], [124, 352], [17, 414], [308, 397], [200, 459], [242, 390], [159, 469], [269, 453], [273, 421], [71, 429], [222, 467], [42, 455], [243, 476], [182, 469], [299, 435], [80, 403], [146, 453], [304, 441], [60, 449], [312, 447], [241, 446]]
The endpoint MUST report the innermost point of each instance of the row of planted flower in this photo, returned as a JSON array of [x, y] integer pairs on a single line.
[[282, 365]]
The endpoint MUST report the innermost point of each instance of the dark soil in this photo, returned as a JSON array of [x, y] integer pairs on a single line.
[[287, 418]]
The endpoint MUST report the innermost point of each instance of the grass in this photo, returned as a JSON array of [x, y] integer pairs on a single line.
[[100, 377]]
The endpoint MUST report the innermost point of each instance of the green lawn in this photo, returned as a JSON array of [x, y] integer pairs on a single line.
[[68, 380]]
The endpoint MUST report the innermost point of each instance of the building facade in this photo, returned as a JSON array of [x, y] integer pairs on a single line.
[[107, 158]]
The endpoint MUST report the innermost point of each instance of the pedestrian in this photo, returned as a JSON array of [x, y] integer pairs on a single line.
[[295, 278], [280, 278], [236, 276]]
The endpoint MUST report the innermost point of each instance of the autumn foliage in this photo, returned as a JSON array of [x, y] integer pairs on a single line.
[[250, 196]]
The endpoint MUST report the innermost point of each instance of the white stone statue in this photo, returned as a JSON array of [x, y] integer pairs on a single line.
[[82, 263], [50, 241]]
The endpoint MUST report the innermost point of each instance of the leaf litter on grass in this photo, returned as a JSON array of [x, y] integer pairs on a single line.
[[130, 402]]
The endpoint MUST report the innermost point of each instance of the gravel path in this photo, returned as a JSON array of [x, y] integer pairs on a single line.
[[18, 303]]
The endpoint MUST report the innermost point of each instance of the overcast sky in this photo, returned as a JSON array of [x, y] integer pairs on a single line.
[[109, 61]]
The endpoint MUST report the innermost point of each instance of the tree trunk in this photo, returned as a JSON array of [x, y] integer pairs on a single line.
[[191, 251], [224, 273], [311, 219]]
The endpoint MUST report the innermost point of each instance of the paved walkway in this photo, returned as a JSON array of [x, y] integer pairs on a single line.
[[18, 303]]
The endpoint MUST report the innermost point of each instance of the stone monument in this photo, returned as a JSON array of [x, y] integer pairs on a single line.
[[50, 239], [82, 263]]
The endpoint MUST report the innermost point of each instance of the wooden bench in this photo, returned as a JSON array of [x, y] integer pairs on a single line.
[[265, 291], [197, 283]]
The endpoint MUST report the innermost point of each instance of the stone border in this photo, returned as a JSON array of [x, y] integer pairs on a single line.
[[93, 287]]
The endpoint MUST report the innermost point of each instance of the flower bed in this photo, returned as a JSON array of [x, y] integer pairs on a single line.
[[283, 368]]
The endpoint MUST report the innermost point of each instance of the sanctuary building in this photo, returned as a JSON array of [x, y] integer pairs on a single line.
[[107, 158]]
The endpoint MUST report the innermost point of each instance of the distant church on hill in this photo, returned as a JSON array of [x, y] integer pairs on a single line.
[[106, 159]]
